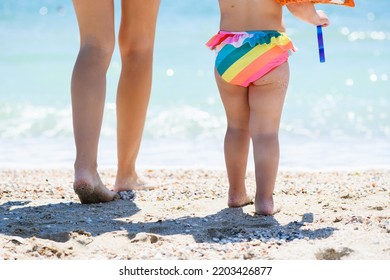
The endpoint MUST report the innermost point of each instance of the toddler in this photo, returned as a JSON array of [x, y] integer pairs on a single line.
[[252, 74]]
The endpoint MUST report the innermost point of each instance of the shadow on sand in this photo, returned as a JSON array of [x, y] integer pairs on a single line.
[[59, 221]]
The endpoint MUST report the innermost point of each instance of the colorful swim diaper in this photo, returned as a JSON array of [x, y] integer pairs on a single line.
[[244, 57]]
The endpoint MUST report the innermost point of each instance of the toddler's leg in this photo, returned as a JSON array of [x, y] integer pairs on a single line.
[[266, 99], [96, 23], [235, 101], [136, 42]]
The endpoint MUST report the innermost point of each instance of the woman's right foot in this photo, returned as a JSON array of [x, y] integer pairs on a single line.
[[265, 207], [135, 183]]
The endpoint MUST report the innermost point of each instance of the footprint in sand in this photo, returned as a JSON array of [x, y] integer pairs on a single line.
[[333, 254], [145, 238]]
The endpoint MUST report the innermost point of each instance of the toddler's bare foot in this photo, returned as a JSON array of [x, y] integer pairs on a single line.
[[239, 200], [93, 191], [265, 207], [135, 184]]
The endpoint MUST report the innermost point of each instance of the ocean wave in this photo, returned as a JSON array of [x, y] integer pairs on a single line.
[[327, 117]]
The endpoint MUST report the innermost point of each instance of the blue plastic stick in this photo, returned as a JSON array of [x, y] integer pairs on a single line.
[[320, 44]]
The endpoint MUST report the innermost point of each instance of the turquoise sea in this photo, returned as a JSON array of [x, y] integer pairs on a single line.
[[336, 116]]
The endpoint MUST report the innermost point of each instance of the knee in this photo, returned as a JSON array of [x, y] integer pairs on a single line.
[[136, 45], [98, 51], [265, 137], [241, 130]]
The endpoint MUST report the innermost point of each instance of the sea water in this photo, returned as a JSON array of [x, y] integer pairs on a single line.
[[336, 115]]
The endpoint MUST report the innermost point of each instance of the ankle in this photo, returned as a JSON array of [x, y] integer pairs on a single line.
[[85, 173], [85, 166], [264, 205], [127, 173]]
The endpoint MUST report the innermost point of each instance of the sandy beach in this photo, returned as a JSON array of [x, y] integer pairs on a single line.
[[325, 215]]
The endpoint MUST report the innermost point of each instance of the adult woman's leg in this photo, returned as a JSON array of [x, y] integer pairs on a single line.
[[266, 99], [97, 40], [136, 42]]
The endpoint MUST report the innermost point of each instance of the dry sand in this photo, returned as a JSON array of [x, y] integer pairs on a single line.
[[325, 215]]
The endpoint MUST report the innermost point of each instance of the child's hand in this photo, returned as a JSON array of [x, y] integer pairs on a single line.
[[307, 12], [322, 18]]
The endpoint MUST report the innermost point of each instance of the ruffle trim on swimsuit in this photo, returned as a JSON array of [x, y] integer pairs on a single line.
[[237, 39]]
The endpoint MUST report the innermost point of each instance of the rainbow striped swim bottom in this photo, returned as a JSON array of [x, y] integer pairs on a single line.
[[244, 57]]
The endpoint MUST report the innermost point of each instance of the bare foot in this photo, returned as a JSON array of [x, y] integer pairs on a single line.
[[239, 200], [135, 183], [93, 191], [268, 213], [266, 207]]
